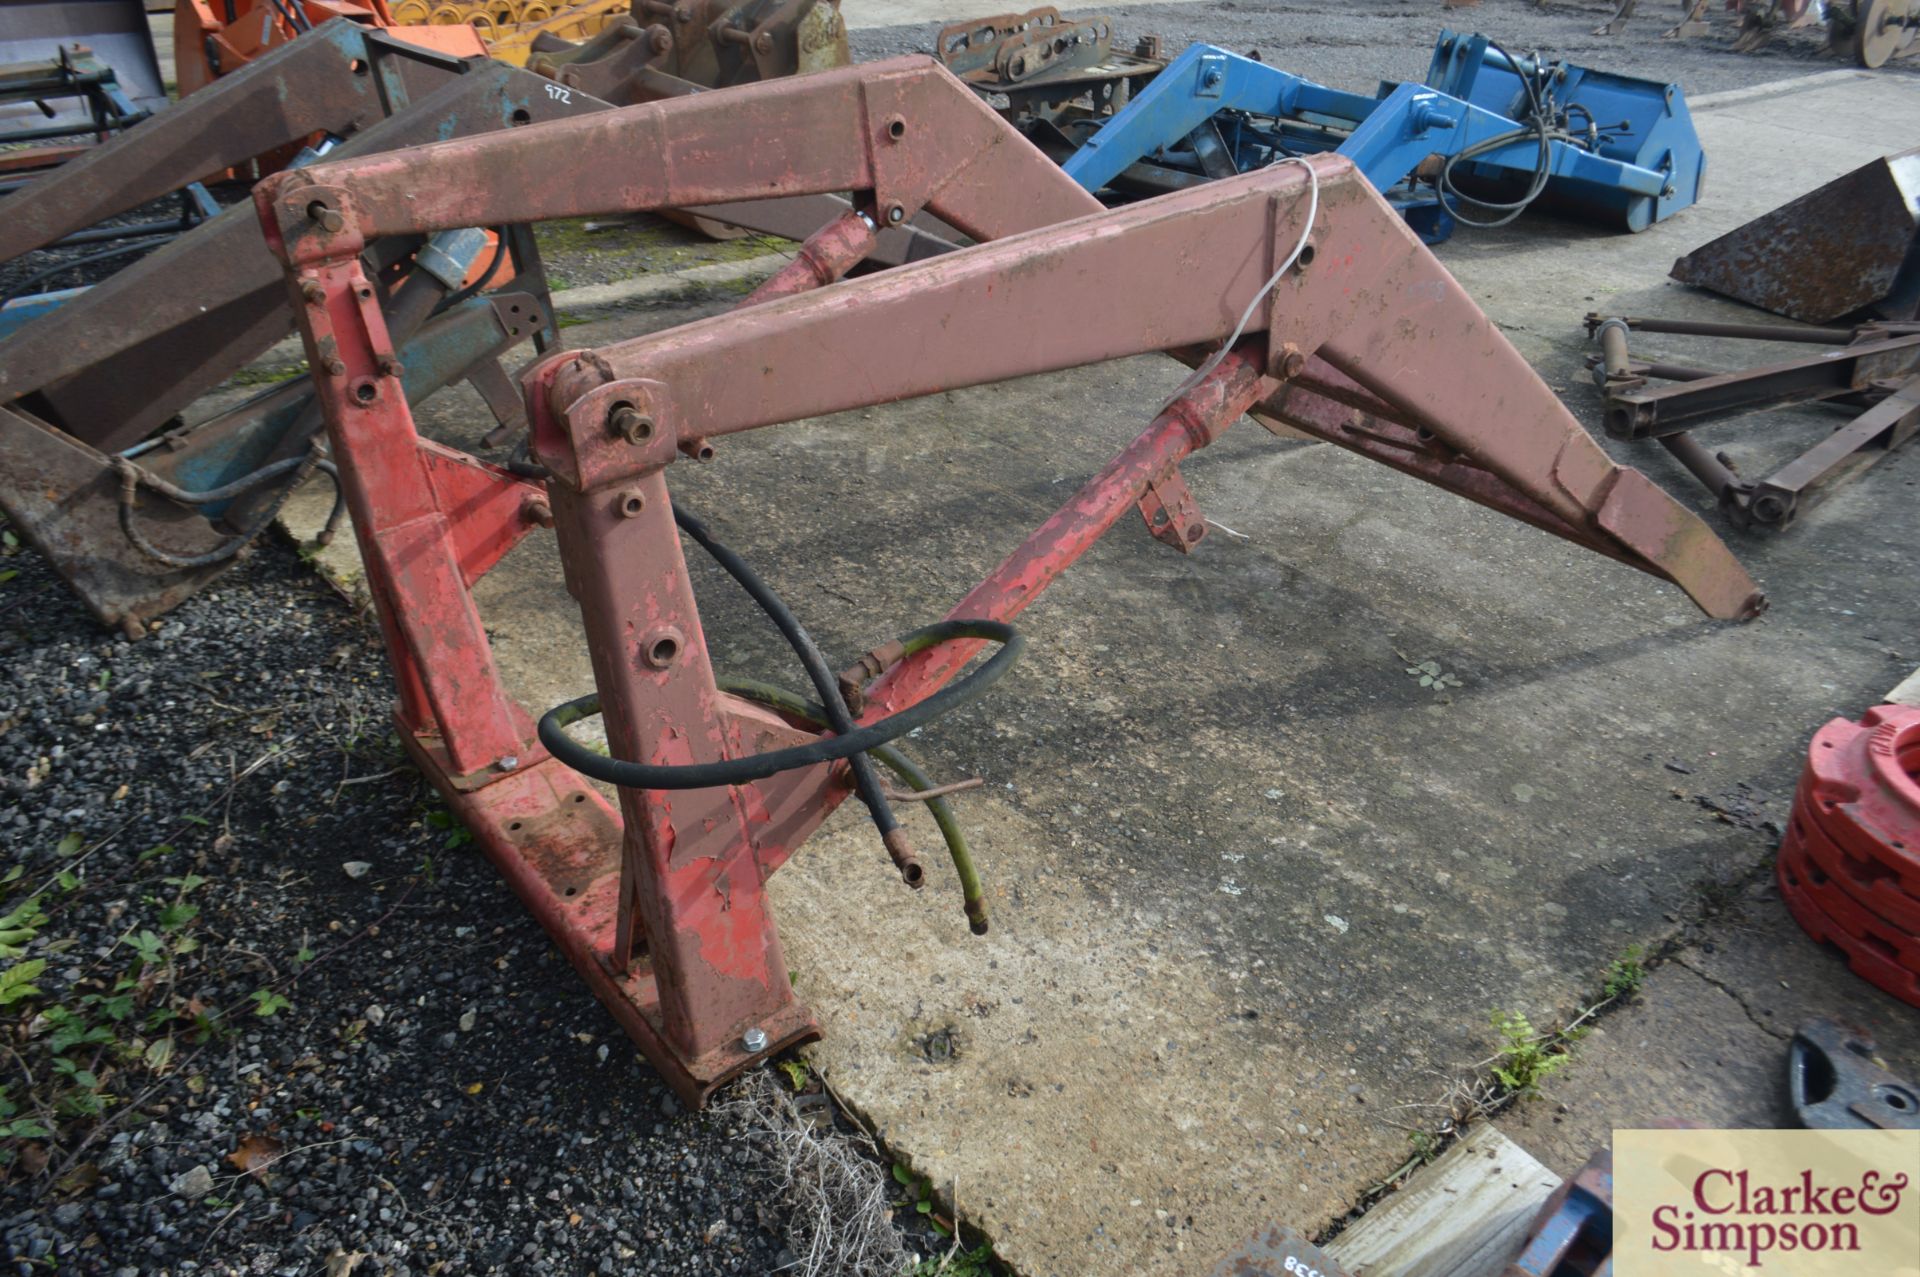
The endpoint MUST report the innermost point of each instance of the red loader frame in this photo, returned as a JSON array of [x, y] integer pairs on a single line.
[[1368, 343]]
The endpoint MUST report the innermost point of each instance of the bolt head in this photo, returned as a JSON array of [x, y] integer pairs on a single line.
[[754, 1041], [631, 424], [509, 762], [896, 215]]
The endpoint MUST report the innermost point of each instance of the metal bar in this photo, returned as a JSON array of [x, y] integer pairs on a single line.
[[1751, 332], [306, 86], [1638, 414], [1867, 439], [180, 321], [1191, 422], [827, 255], [1707, 468], [1222, 236], [445, 185]]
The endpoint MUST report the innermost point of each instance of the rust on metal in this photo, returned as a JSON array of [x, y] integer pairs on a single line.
[[667, 918], [1851, 245], [1874, 369]]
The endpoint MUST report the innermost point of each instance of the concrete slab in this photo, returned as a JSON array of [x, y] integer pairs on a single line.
[[1706, 1039], [1252, 883]]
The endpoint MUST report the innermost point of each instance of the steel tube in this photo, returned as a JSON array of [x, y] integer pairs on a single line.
[[1191, 422], [1706, 467]]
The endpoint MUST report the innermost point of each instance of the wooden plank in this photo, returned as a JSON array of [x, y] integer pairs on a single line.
[[1466, 1215]]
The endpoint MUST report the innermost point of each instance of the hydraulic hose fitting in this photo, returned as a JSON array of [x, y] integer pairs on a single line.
[[977, 916], [901, 852], [853, 680]]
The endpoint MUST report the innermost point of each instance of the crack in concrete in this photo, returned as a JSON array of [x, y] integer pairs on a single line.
[[1739, 999]]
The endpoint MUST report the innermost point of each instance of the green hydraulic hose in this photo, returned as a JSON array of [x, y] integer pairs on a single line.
[[785, 702]]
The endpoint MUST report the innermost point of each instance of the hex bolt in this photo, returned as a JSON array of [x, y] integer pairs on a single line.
[[391, 367], [336, 367], [661, 41], [631, 424], [329, 218], [630, 503], [314, 294], [536, 510], [763, 43], [754, 1041]]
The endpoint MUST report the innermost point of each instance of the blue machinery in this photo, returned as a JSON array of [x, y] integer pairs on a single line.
[[1502, 133]]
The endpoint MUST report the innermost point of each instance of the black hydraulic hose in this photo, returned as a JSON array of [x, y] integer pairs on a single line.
[[973, 894], [1540, 126], [133, 478], [741, 771], [839, 717]]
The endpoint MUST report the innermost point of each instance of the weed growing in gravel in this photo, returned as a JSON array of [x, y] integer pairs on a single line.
[[100, 1039], [1626, 973], [977, 1262], [1526, 1058]]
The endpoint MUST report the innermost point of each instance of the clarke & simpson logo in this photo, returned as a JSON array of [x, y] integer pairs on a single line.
[[1793, 1203], [1728, 1213]]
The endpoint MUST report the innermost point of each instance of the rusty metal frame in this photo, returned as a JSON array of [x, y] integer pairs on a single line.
[[1874, 369], [120, 360], [663, 912]]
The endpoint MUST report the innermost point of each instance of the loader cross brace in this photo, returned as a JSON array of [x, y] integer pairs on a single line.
[[661, 906]]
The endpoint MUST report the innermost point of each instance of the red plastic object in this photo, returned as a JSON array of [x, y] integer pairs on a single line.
[[1849, 867]]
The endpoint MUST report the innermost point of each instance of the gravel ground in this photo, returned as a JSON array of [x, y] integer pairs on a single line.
[[215, 822], [1354, 44]]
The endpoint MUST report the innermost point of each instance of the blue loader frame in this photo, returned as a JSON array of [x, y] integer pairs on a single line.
[[1624, 150]]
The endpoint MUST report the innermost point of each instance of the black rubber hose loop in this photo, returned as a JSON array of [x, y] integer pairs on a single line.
[[838, 716], [828, 749]]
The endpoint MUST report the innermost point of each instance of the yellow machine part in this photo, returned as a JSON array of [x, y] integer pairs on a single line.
[[510, 27]]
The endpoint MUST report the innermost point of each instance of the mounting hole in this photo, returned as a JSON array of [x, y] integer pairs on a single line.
[[520, 116], [364, 391], [573, 891], [662, 650], [1897, 1098], [358, 66], [579, 798], [514, 826], [632, 504], [896, 128], [1196, 531], [1305, 259]]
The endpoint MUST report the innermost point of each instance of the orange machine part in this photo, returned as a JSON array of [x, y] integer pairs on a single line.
[[212, 38]]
